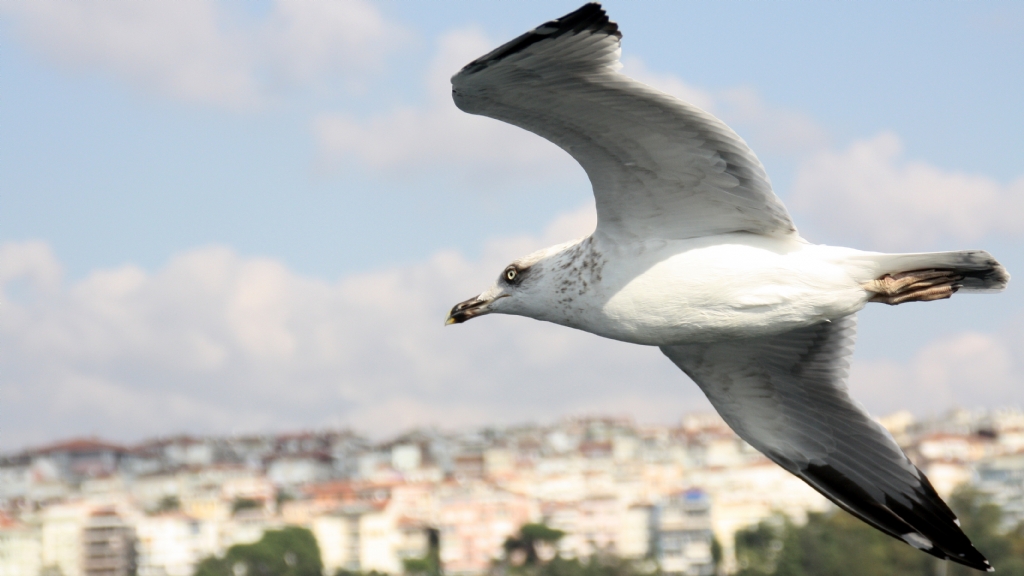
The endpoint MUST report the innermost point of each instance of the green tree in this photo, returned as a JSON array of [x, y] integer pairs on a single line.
[[245, 504], [430, 564], [416, 566], [596, 565], [982, 520], [837, 544], [289, 552], [757, 547], [530, 537], [527, 540], [168, 504], [716, 553]]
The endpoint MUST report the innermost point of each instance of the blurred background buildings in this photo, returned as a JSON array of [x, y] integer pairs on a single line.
[[671, 495]]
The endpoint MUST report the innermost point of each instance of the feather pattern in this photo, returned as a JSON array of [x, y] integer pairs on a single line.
[[786, 395], [660, 168]]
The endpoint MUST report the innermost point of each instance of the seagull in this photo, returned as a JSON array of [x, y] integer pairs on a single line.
[[694, 253]]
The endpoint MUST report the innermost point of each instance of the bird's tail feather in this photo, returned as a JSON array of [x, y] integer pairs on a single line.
[[980, 271]]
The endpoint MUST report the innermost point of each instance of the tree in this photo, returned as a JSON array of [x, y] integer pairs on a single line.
[[245, 504], [429, 565], [527, 540], [168, 504], [522, 558], [982, 521], [757, 547], [596, 565], [837, 544], [289, 552]]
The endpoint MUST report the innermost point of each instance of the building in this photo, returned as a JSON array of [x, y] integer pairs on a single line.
[[61, 537], [362, 537], [1002, 477], [16, 478], [613, 487], [294, 469], [20, 548], [337, 535], [108, 545], [682, 534], [171, 544], [602, 524], [475, 520], [80, 458]]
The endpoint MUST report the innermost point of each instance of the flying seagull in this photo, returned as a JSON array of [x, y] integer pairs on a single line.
[[695, 254]]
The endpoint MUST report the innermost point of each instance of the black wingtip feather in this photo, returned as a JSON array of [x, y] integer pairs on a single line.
[[590, 17], [929, 516]]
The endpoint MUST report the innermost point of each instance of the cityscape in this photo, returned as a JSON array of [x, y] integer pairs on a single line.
[[673, 496]]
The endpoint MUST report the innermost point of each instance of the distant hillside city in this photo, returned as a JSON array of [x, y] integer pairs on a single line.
[[673, 496]]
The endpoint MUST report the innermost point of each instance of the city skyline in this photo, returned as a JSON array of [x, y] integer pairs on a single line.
[[706, 418], [661, 495]]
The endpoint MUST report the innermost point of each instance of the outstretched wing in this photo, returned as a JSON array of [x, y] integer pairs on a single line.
[[786, 395], [660, 168]]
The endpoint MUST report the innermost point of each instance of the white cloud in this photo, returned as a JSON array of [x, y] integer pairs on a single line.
[[214, 342], [308, 40], [438, 136], [32, 262], [768, 128], [871, 195], [965, 370], [669, 83], [200, 51], [781, 131], [217, 342]]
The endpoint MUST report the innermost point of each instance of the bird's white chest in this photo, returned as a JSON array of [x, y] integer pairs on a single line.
[[665, 293]]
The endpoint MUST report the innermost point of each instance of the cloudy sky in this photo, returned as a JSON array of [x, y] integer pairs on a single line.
[[233, 217]]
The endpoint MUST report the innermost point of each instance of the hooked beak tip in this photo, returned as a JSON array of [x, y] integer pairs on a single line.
[[465, 310]]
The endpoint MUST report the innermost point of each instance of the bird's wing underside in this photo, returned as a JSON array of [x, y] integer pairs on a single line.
[[786, 395], [660, 168]]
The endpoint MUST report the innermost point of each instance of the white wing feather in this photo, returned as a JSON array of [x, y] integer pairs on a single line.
[[660, 168]]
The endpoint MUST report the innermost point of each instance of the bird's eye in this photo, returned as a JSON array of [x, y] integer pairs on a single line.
[[511, 274]]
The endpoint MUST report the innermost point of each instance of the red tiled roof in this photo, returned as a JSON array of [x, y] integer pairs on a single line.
[[81, 445]]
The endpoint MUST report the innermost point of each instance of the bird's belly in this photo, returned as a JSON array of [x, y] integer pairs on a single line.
[[723, 292]]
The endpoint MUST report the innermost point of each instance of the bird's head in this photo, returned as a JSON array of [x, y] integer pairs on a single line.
[[522, 288]]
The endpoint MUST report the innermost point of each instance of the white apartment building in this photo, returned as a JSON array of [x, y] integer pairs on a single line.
[[605, 524], [366, 537], [683, 536], [20, 548], [474, 520], [108, 545], [61, 537], [171, 544]]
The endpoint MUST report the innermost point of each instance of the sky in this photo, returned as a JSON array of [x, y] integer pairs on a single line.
[[227, 217]]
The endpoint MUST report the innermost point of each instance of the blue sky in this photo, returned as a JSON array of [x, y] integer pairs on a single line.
[[306, 156]]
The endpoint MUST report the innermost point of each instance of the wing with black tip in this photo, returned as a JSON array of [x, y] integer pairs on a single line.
[[786, 395], [660, 168]]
